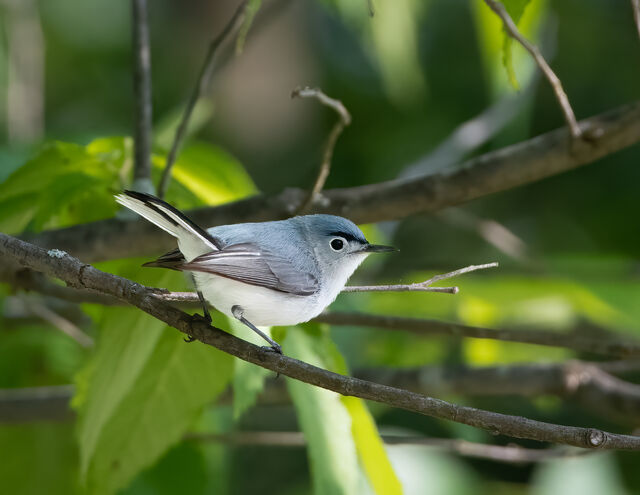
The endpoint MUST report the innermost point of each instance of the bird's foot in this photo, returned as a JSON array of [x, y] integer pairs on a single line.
[[273, 348]]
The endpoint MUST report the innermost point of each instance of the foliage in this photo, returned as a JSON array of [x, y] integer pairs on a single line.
[[410, 75]]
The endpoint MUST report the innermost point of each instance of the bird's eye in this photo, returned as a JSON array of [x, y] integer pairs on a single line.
[[337, 244]]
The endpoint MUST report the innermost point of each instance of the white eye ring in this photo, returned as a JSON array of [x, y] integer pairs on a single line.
[[337, 243]]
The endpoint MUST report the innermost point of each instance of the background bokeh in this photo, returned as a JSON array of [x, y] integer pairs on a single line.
[[410, 76]]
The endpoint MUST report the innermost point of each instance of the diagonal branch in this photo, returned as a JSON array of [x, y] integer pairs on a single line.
[[499, 453], [499, 170], [142, 92], [325, 167], [78, 274], [512, 30], [571, 340], [201, 85]]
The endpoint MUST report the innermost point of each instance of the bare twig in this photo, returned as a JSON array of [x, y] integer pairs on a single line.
[[36, 404], [556, 85], [499, 453], [421, 286], [503, 169], [78, 274], [343, 121], [142, 92], [60, 322], [571, 340], [201, 86], [635, 5]]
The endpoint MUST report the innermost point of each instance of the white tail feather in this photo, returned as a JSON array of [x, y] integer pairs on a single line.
[[191, 242]]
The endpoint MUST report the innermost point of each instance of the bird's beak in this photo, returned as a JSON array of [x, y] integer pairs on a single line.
[[377, 248]]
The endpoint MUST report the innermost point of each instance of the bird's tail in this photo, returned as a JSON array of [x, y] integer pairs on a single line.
[[171, 220]]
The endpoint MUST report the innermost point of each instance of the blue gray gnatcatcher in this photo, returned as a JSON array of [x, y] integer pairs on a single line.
[[270, 273]]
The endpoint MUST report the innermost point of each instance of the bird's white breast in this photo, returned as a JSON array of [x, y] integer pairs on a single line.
[[262, 307]]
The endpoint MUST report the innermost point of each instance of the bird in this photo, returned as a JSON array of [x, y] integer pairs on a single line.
[[275, 273]]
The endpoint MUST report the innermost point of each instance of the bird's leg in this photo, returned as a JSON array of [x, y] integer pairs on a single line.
[[205, 311], [238, 314]]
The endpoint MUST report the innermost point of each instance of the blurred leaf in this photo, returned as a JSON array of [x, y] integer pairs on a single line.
[[515, 8], [164, 131], [208, 172], [144, 391], [187, 459], [248, 379], [325, 422], [250, 13], [38, 458], [321, 418], [391, 37], [370, 447], [592, 474], [369, 444], [497, 47]]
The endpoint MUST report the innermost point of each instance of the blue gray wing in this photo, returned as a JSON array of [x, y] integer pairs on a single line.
[[249, 264]]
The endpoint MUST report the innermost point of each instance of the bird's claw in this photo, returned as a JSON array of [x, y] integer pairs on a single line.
[[273, 348]]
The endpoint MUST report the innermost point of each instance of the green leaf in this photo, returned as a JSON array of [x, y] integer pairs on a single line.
[[250, 13], [315, 407], [38, 458], [209, 173], [515, 8], [144, 391], [248, 379], [325, 422], [42, 188]]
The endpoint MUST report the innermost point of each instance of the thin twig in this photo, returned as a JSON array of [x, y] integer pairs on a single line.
[[61, 323], [635, 5], [499, 453], [556, 85], [142, 92], [421, 286], [201, 85], [78, 274], [325, 167], [571, 340]]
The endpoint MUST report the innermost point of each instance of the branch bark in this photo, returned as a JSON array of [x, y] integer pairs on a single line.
[[201, 86], [81, 275], [519, 164], [574, 339]]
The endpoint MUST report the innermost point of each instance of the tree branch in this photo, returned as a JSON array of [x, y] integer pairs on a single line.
[[78, 274], [201, 86], [574, 339], [344, 119], [512, 30], [142, 92], [499, 453], [499, 170], [421, 286]]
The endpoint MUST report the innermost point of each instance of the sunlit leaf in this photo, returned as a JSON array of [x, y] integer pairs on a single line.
[[323, 414]]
